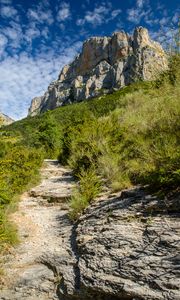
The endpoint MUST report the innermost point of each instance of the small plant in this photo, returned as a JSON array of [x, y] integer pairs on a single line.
[[89, 187], [77, 205]]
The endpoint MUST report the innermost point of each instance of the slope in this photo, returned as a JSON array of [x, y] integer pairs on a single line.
[[119, 140]]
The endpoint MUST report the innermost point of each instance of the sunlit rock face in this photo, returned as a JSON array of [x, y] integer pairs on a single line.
[[5, 120], [105, 64]]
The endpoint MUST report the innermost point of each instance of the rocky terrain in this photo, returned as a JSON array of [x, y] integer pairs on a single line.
[[105, 64], [125, 246], [5, 120], [128, 248], [39, 224]]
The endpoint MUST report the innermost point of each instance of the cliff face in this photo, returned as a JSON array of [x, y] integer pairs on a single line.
[[5, 120], [105, 64]]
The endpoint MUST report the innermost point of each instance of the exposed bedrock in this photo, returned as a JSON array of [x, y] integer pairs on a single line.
[[5, 120], [122, 248], [105, 64]]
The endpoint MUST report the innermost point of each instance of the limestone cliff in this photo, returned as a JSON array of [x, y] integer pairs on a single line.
[[105, 64], [5, 120]]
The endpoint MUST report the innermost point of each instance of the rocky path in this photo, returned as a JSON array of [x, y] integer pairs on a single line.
[[124, 247], [28, 273]]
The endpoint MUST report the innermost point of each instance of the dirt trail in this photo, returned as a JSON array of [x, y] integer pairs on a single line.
[[39, 218]]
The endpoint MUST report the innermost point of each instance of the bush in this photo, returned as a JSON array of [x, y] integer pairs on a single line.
[[18, 168], [47, 136]]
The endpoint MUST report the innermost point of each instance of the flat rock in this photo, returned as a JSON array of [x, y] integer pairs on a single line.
[[126, 251]]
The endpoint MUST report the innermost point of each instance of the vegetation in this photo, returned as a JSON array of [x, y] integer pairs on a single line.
[[89, 187], [125, 138], [18, 168]]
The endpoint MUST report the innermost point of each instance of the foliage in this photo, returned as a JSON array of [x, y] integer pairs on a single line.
[[89, 187], [18, 167]]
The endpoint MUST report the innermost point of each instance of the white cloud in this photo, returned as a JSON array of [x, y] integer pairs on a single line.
[[24, 77], [96, 17], [40, 15], [100, 15], [166, 36], [20, 34], [140, 3], [64, 12], [62, 26], [14, 34], [135, 15], [119, 26], [139, 11], [164, 21], [6, 2], [3, 43], [3, 40], [176, 17], [45, 32], [115, 13], [8, 12], [32, 33]]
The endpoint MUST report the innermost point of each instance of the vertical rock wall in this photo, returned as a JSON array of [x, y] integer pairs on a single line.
[[105, 64]]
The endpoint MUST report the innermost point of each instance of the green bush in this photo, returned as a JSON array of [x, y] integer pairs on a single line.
[[18, 168]]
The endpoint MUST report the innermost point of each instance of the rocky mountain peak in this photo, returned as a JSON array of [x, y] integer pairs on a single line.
[[105, 64], [5, 120]]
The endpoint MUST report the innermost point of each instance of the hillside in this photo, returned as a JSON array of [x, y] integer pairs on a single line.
[[125, 140], [128, 136]]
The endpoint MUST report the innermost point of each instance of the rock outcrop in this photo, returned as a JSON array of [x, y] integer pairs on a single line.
[[126, 248], [105, 64], [5, 120]]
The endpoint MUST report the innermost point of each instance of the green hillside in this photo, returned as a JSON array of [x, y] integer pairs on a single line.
[[122, 139]]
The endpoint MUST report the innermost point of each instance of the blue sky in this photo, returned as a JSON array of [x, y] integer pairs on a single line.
[[38, 37]]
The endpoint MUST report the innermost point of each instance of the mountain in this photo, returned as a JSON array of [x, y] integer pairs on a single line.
[[119, 238], [104, 65], [5, 120]]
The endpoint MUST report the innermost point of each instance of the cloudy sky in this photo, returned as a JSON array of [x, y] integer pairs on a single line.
[[37, 37]]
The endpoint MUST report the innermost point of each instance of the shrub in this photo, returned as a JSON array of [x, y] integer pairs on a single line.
[[47, 136], [18, 168]]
